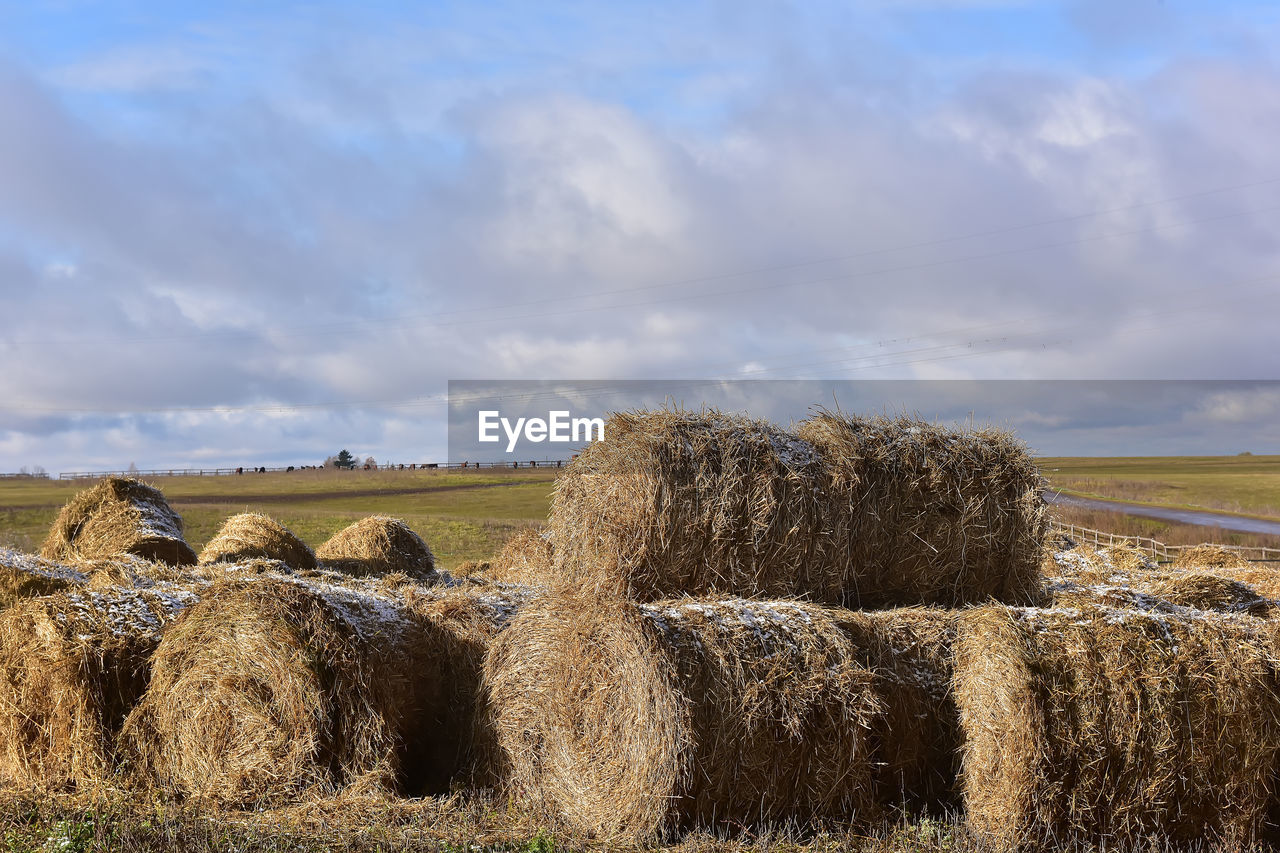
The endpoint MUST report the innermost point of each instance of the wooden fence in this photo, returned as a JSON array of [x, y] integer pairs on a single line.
[[1159, 551], [248, 469]]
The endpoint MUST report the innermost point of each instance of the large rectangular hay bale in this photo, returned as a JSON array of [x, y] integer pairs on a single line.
[[847, 511], [1100, 725]]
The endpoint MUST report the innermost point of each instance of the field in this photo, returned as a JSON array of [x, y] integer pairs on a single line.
[[468, 515], [1246, 485], [463, 515]]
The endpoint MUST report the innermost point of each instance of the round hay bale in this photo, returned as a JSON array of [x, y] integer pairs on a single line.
[[629, 721], [378, 545], [249, 535], [1210, 557], [24, 576], [118, 516], [847, 511], [72, 665], [273, 687], [1095, 726], [930, 514], [526, 558]]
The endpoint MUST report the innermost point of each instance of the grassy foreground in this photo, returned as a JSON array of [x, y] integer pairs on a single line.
[[463, 515]]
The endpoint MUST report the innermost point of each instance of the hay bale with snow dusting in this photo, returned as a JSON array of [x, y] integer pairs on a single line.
[[1210, 557], [378, 545], [846, 512], [930, 514], [629, 721], [24, 576], [118, 516], [250, 535], [1093, 725], [275, 686], [72, 665]]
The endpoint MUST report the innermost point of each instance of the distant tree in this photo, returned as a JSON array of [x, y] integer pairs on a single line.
[[345, 460], [370, 462], [38, 470], [133, 467]]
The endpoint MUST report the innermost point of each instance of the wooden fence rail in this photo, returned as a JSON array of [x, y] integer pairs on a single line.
[[220, 472], [1159, 551]]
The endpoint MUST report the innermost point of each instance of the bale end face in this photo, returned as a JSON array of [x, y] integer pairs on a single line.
[[251, 535]]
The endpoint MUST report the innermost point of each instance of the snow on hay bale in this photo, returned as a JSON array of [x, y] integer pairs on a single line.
[[378, 545], [1101, 725], [1210, 557], [630, 721], [249, 535], [118, 516], [1153, 588], [847, 512], [72, 665], [274, 686], [24, 576]]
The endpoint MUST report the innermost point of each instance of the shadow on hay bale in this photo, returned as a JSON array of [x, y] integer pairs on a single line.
[[847, 511], [1092, 725], [250, 535], [378, 545], [24, 576], [1158, 589], [72, 665], [632, 721], [118, 516], [274, 687]]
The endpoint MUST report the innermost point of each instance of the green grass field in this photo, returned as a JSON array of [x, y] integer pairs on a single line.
[[1248, 485], [463, 515]]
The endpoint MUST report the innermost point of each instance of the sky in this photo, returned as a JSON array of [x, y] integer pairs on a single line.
[[252, 233]]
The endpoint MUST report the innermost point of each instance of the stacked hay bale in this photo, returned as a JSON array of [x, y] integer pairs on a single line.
[[930, 514], [277, 686], [631, 721], [252, 535], [1105, 726], [72, 665], [379, 545], [24, 576], [116, 517], [847, 512], [272, 687]]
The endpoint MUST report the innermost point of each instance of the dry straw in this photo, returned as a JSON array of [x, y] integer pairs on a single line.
[[72, 665], [526, 558], [1210, 557], [24, 576], [916, 740], [849, 511], [1100, 726], [378, 545], [249, 535], [630, 721], [276, 687], [118, 516]]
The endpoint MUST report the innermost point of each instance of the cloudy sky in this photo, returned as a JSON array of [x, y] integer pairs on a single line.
[[237, 233]]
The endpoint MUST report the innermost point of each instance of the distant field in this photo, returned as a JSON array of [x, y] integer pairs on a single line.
[[1248, 485], [463, 515], [467, 515]]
